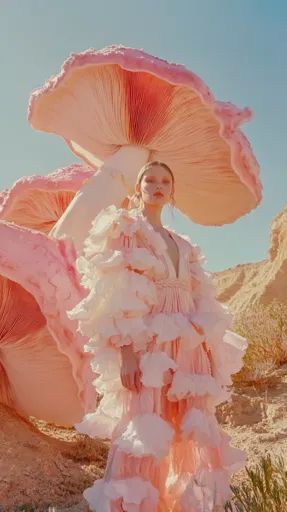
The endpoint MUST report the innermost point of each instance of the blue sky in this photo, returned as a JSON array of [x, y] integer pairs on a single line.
[[238, 47]]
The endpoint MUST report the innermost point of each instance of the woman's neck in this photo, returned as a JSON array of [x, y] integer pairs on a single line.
[[153, 215]]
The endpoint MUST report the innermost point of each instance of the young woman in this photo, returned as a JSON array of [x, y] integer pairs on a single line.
[[163, 357]]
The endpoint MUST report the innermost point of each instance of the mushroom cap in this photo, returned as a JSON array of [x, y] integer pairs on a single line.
[[42, 373], [117, 96], [37, 202]]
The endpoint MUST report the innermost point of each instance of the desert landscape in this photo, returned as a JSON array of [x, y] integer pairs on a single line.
[[177, 109], [45, 467]]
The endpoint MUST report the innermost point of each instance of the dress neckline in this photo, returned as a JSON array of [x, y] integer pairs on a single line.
[[176, 271]]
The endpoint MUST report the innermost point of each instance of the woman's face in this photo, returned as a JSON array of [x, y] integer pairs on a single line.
[[156, 186]]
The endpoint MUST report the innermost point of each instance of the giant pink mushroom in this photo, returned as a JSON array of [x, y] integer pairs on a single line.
[[119, 107], [43, 369]]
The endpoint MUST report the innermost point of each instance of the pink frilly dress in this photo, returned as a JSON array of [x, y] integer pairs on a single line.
[[168, 453]]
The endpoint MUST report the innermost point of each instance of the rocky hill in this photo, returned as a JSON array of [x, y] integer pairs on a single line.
[[247, 284]]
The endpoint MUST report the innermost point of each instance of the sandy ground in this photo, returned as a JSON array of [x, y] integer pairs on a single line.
[[49, 467]]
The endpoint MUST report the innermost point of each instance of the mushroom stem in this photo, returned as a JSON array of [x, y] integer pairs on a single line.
[[109, 185]]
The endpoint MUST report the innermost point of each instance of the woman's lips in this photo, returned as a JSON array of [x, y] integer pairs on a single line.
[[158, 194]]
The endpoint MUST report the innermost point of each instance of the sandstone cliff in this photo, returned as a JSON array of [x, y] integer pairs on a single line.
[[246, 284]]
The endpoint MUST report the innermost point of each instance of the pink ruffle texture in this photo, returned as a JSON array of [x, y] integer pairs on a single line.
[[167, 434], [123, 96], [153, 366], [209, 488], [43, 369], [131, 494], [146, 434]]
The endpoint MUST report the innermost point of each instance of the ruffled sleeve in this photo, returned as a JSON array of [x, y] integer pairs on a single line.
[[226, 347], [119, 277]]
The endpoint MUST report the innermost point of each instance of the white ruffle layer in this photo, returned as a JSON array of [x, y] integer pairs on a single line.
[[153, 365], [201, 427], [146, 434], [167, 327], [186, 385], [227, 347], [208, 489], [135, 494], [103, 421]]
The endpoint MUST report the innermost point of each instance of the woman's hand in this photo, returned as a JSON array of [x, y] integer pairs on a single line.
[[130, 371]]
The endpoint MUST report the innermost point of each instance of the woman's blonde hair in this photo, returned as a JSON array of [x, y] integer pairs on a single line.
[[148, 166]]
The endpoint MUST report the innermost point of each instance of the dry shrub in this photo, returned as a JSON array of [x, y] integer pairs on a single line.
[[265, 327], [87, 450], [264, 490]]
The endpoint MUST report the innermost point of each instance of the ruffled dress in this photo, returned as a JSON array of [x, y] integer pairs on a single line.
[[167, 452]]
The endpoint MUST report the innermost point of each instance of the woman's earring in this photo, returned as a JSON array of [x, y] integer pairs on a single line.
[[136, 199]]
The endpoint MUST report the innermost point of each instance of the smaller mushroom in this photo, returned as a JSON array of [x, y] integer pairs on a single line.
[[43, 369]]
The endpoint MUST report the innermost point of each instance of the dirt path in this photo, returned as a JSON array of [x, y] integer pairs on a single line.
[[257, 420]]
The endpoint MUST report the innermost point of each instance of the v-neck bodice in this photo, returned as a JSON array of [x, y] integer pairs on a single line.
[[174, 289], [173, 270]]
